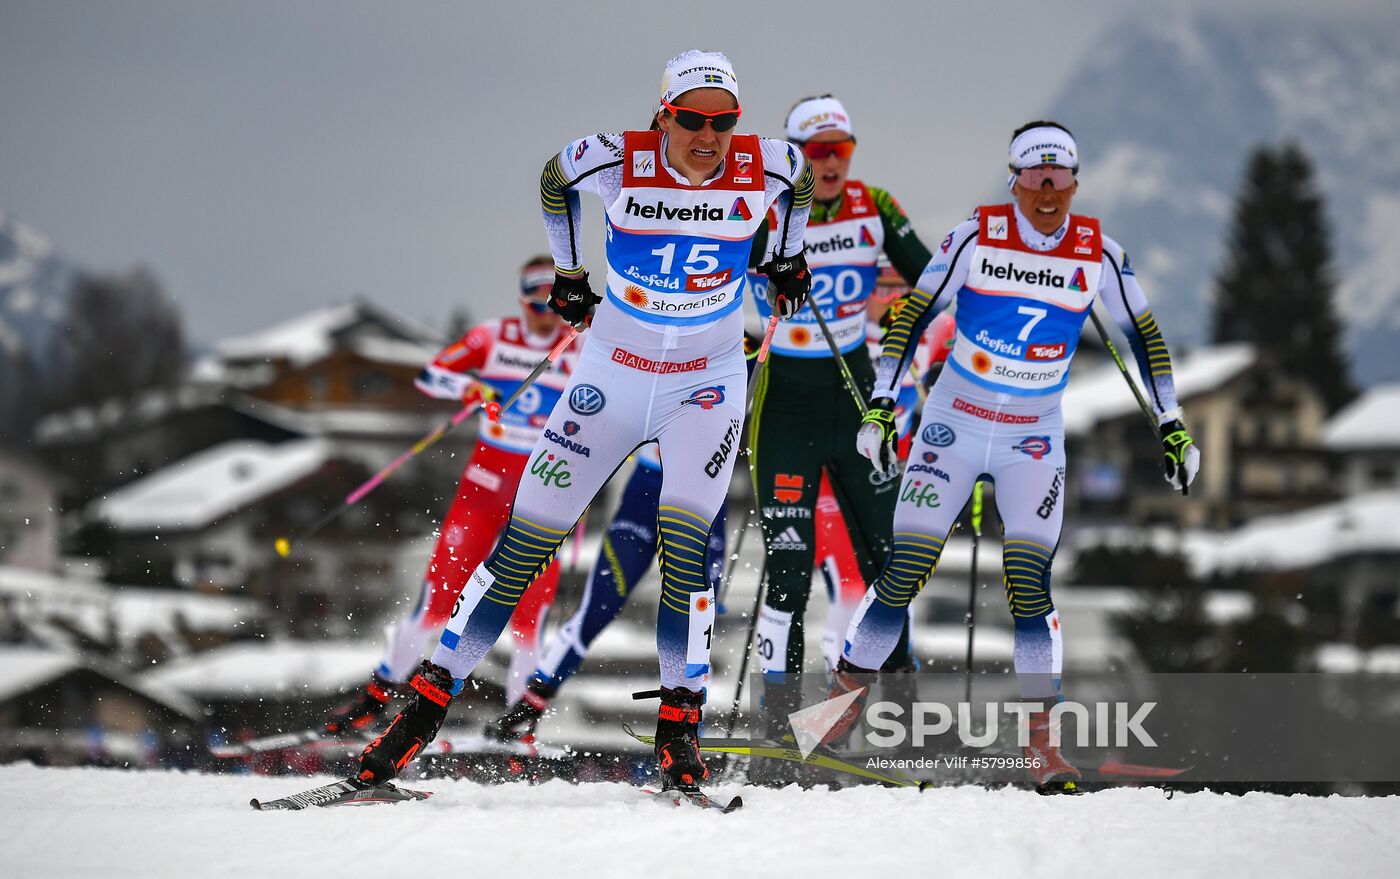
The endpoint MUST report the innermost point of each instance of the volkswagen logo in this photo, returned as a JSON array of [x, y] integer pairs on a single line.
[[937, 435], [587, 400]]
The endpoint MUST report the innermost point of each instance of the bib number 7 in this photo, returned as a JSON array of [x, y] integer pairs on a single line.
[[1036, 314]]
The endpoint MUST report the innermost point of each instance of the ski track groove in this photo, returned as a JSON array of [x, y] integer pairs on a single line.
[[113, 823]]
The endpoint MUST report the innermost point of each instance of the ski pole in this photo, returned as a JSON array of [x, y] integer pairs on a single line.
[[734, 561], [577, 549], [494, 409], [846, 378], [1137, 392], [748, 648], [762, 359], [972, 589], [284, 545]]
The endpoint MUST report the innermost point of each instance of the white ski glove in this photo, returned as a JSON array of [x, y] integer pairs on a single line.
[[1183, 459], [877, 436]]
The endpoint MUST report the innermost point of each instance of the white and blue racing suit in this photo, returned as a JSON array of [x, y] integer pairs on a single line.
[[663, 362], [994, 414]]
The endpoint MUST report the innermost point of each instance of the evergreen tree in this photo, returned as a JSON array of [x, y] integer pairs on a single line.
[[1278, 287], [19, 396], [121, 334]]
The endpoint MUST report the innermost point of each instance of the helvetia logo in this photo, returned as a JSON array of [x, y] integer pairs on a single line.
[[1040, 278], [661, 211], [740, 210], [836, 243], [866, 239], [1077, 282]]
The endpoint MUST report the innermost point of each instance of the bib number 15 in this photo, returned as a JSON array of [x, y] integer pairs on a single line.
[[700, 262]]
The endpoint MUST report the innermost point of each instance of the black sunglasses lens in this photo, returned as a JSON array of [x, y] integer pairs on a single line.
[[724, 122], [690, 121]]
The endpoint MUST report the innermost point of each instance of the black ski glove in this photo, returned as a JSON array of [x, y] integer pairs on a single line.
[[572, 299], [788, 283]]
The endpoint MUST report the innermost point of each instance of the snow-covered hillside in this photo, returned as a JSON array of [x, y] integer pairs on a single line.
[[1166, 113], [110, 823]]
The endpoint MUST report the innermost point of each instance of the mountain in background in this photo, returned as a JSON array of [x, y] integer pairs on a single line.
[[1166, 113], [34, 285], [34, 291]]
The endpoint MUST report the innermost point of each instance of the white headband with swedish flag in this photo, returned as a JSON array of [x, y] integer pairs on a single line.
[[696, 69], [1043, 145]]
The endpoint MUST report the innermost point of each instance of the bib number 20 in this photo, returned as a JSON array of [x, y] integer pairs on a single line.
[[845, 284]]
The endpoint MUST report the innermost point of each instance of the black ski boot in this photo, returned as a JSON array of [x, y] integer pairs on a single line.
[[415, 726], [678, 740], [361, 708], [899, 683], [518, 723], [780, 700]]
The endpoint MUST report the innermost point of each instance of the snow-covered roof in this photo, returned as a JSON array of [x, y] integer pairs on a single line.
[[271, 667], [1371, 421], [1304, 539], [206, 486], [1363, 523], [1348, 658], [102, 610], [300, 340], [150, 406], [366, 422], [23, 668], [311, 336], [1100, 394], [400, 352]]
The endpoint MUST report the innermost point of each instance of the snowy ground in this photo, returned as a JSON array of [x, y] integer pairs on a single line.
[[110, 823]]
